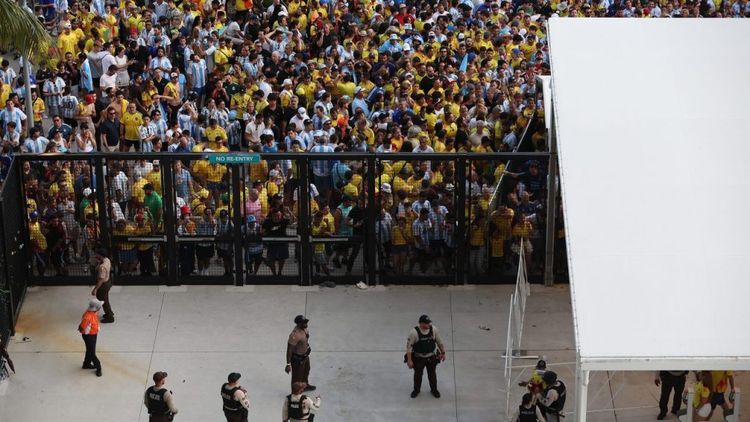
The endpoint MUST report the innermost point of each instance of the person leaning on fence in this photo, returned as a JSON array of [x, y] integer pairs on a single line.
[[424, 349], [234, 397], [552, 398], [298, 407], [159, 401]]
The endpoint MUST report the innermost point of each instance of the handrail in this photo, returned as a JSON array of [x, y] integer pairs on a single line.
[[525, 135], [288, 155]]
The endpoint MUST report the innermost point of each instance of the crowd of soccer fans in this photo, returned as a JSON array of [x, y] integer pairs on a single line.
[[313, 76]]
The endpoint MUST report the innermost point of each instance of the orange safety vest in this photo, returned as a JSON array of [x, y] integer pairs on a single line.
[[89, 317]]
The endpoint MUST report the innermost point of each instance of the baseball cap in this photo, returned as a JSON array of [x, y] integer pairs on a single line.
[[301, 110], [394, 36], [234, 377], [300, 319], [251, 219], [87, 192], [424, 319], [385, 187]]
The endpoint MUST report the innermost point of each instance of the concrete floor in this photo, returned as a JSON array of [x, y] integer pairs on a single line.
[[198, 334]]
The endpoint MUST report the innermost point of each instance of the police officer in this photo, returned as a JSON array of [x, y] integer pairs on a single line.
[[528, 411], [158, 400], [670, 380], [552, 399], [424, 349], [236, 404], [298, 353], [298, 407]]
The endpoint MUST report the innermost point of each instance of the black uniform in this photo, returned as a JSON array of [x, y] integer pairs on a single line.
[[527, 414], [158, 410], [671, 381], [556, 407], [425, 344], [233, 409], [296, 409]]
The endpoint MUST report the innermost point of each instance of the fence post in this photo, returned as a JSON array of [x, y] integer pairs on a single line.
[[460, 241], [239, 257], [689, 405], [304, 222], [170, 221], [102, 204], [737, 404], [549, 258], [370, 241], [6, 300]]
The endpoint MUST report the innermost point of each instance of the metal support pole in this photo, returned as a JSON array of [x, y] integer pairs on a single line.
[[549, 258], [689, 405], [461, 238], [170, 221], [239, 257], [737, 404], [104, 228], [304, 222], [27, 90], [582, 392], [370, 241]]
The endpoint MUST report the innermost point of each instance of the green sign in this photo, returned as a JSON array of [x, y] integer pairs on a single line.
[[233, 158]]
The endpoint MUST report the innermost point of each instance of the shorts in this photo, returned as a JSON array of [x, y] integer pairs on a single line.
[[127, 143], [398, 249], [128, 256], [212, 186], [717, 399], [41, 257], [320, 258], [278, 251], [438, 247], [254, 257], [204, 252], [71, 122]]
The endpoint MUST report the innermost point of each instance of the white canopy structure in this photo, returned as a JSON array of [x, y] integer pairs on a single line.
[[652, 119]]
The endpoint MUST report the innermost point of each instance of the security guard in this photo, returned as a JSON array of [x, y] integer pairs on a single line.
[[528, 411], [422, 348], [235, 399], [298, 407], [298, 353], [158, 400], [552, 399]]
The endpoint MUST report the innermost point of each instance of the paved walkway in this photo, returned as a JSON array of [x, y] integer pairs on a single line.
[[199, 334]]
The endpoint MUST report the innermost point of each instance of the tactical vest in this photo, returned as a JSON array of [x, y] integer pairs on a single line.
[[296, 409], [425, 342], [559, 404], [527, 414], [227, 395], [155, 399]]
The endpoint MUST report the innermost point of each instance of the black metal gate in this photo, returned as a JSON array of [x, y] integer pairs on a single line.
[[15, 255], [300, 218]]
